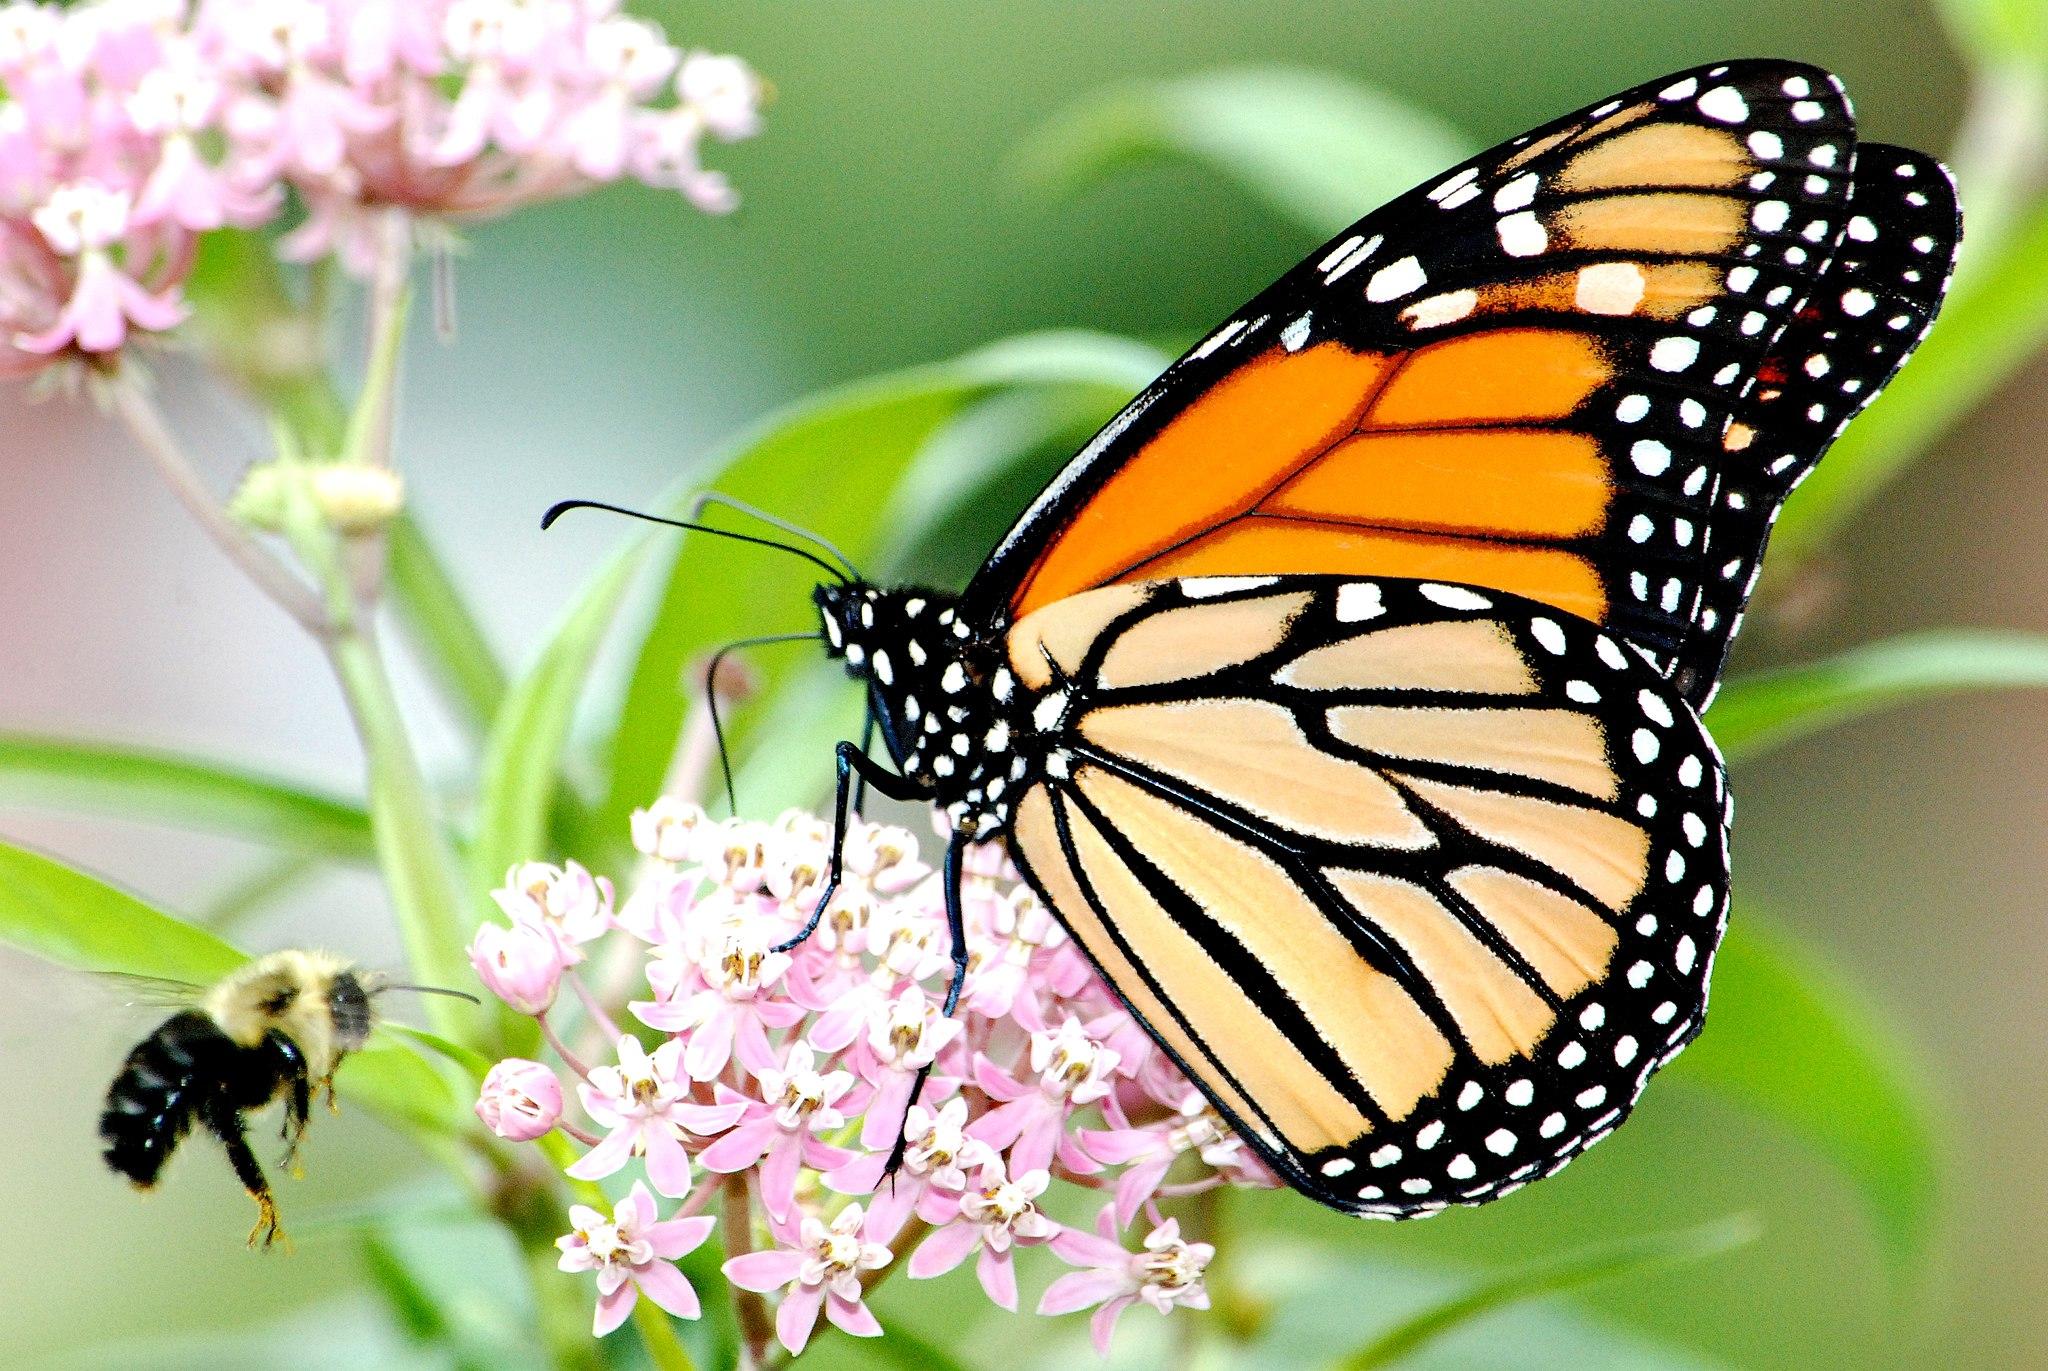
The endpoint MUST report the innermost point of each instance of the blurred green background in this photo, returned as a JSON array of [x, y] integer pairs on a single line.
[[606, 345]]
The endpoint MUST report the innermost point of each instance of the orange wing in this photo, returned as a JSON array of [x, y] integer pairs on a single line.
[[1518, 378]]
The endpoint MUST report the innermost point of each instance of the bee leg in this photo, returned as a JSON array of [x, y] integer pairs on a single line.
[[225, 1122], [298, 1102], [956, 929]]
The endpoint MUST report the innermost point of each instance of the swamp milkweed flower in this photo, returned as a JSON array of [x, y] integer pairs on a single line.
[[778, 1082], [128, 128]]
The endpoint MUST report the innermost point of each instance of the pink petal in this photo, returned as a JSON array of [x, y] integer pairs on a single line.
[[834, 1029], [884, 1118], [1001, 1125], [636, 1211], [612, 1309], [764, 1271], [995, 1082], [751, 1041], [853, 1317], [741, 1148], [890, 1207], [824, 1156], [668, 1288], [607, 1157], [778, 1177], [998, 1276], [1121, 1145], [1079, 1289], [857, 1177], [1078, 1247], [1136, 1186], [677, 1237], [1103, 1325], [710, 1046], [944, 1250], [798, 1316], [668, 1165], [1035, 1145], [706, 1119]]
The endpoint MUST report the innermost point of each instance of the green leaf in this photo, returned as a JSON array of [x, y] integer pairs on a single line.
[[1788, 1041], [1993, 32], [523, 762], [441, 628], [397, 1085], [134, 783], [1628, 1256], [1318, 148], [62, 915], [411, 1305], [1753, 714], [474, 1064], [828, 464], [900, 1347], [1994, 321]]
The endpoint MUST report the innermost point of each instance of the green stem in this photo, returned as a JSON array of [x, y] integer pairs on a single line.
[[450, 642], [412, 846], [664, 1348]]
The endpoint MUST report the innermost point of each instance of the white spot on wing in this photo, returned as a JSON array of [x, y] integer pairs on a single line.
[[1395, 280], [1522, 235], [1438, 310], [1610, 288], [1358, 602]]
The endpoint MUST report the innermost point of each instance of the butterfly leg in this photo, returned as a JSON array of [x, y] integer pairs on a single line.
[[851, 761], [956, 930]]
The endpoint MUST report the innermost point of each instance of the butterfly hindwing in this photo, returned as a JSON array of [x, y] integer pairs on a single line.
[[1418, 881], [1503, 378]]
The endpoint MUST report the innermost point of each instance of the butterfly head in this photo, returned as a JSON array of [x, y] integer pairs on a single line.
[[931, 689]]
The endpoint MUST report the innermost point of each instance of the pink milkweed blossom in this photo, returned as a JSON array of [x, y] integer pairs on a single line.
[[633, 1255], [519, 1100], [566, 902], [650, 1114], [774, 1082], [822, 1268], [521, 964], [993, 1215], [1166, 1272], [128, 128]]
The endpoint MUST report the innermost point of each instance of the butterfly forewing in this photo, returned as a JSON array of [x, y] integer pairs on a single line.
[[1418, 881], [1517, 376], [1865, 316]]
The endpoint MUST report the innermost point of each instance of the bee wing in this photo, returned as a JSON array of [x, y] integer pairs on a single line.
[[162, 992]]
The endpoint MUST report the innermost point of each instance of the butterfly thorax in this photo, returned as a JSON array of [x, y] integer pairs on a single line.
[[954, 718]]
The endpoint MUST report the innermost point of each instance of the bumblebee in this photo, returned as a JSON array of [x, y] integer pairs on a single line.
[[278, 1027]]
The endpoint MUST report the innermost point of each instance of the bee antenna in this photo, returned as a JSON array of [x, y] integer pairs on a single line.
[[426, 990]]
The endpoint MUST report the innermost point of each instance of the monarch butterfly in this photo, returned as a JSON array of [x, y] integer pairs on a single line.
[[1342, 696]]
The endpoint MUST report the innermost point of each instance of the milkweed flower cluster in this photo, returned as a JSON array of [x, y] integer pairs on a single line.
[[130, 127], [781, 1080]]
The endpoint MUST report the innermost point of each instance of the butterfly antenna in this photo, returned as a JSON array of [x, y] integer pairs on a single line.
[[794, 530], [711, 693], [564, 506]]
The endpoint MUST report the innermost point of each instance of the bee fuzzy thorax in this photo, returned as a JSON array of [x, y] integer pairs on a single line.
[[316, 999]]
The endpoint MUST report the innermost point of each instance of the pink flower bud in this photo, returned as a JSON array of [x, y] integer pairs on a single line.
[[521, 965], [520, 1100]]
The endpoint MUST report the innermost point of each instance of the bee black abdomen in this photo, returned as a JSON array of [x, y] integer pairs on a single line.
[[151, 1104]]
